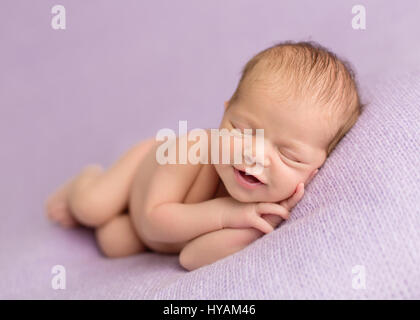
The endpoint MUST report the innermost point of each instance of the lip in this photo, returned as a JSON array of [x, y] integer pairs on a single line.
[[244, 183]]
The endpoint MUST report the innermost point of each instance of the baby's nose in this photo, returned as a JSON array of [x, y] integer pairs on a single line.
[[257, 154], [263, 161]]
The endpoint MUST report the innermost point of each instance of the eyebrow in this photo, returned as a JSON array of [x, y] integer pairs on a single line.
[[293, 147], [248, 120]]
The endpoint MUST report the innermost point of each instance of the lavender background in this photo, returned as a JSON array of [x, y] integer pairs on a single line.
[[123, 70]]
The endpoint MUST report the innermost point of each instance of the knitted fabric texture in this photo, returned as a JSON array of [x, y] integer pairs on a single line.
[[361, 212]]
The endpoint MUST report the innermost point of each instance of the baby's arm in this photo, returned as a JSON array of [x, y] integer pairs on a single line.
[[178, 222], [217, 245]]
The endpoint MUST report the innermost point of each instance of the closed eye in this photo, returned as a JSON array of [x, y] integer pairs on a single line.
[[289, 157]]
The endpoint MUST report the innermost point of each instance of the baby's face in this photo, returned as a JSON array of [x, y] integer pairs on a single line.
[[295, 142]]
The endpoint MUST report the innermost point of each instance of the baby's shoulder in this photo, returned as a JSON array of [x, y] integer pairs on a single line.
[[173, 171], [206, 182]]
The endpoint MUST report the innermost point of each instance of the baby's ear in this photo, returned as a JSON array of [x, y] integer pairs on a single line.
[[311, 176], [226, 104]]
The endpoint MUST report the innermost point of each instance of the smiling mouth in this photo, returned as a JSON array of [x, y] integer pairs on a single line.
[[247, 180]]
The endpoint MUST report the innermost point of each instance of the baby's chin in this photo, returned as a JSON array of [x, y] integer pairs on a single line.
[[248, 199], [242, 198]]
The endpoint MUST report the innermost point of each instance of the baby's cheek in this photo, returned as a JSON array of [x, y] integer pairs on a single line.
[[286, 185]]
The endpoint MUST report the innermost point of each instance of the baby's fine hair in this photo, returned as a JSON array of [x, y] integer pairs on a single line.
[[297, 69]]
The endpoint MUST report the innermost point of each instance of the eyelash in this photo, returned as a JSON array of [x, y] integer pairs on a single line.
[[288, 158]]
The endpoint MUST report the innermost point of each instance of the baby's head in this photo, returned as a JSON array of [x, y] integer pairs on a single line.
[[306, 99]]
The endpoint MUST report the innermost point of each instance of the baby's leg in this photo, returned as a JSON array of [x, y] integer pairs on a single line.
[[96, 195], [117, 238], [57, 206]]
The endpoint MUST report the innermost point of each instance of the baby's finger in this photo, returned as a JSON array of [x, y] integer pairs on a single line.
[[263, 225], [295, 198], [272, 208]]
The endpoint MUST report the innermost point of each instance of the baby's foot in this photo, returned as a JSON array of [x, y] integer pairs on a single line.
[[57, 204], [57, 209]]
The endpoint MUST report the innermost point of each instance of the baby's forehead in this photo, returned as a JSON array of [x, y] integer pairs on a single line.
[[276, 98], [330, 85]]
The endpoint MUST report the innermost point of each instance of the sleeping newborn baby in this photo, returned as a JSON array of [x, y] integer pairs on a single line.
[[304, 98]]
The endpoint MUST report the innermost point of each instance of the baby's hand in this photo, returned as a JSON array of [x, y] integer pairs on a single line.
[[249, 215], [288, 204], [292, 201]]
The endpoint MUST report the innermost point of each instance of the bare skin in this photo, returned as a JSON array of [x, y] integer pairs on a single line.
[[197, 210]]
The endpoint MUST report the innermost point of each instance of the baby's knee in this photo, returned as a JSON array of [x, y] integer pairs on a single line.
[[117, 238], [87, 207], [85, 201]]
